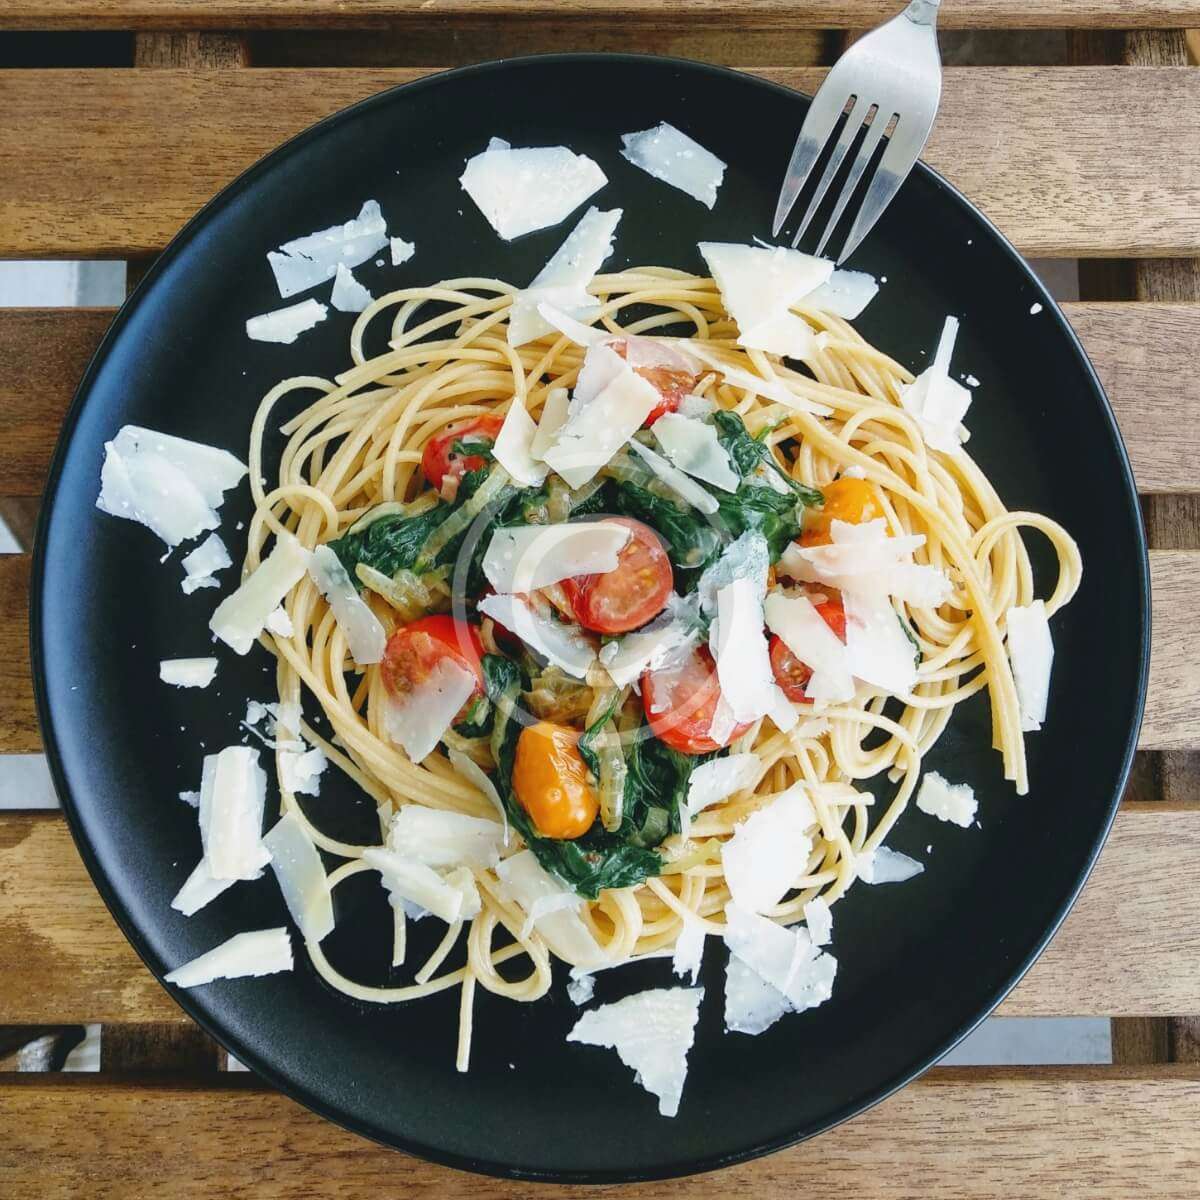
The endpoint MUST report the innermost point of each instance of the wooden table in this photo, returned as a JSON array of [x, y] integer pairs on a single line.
[[1096, 157]]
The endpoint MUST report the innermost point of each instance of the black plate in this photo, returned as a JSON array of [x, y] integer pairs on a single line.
[[919, 964]]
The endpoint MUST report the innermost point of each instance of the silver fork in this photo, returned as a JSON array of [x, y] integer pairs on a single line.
[[894, 71]]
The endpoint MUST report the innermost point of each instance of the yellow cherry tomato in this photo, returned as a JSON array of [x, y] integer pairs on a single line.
[[846, 499], [552, 783]]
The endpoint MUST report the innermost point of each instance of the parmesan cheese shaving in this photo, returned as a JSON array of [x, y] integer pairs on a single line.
[[401, 250], [242, 616], [443, 839], [301, 877], [670, 155], [844, 293], [305, 262], [953, 802], [364, 634], [519, 191], [689, 949], [672, 633], [819, 919], [453, 897], [686, 489], [513, 448], [716, 780], [693, 447], [769, 850], [527, 557], [285, 325], [200, 888], [562, 645], [474, 773], [202, 564], [300, 771], [1031, 652], [796, 622], [417, 720], [348, 294], [233, 793], [652, 1033], [525, 882], [188, 672], [938, 402], [739, 648], [884, 865], [554, 413], [262, 952]]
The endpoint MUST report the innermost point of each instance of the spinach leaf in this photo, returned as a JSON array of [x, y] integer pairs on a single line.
[[655, 789], [589, 864], [692, 542], [587, 739], [776, 515], [747, 452], [478, 721], [389, 544]]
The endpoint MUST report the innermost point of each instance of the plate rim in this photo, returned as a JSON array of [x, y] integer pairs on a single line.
[[308, 1096]]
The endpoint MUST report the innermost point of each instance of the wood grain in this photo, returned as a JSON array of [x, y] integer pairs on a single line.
[[1037, 148], [1144, 353], [813, 14], [19, 732], [1131, 945], [961, 1133]]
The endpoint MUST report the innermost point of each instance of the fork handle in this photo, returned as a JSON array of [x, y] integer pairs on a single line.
[[923, 12]]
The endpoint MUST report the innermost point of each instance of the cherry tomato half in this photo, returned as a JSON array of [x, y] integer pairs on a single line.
[[552, 783], [632, 594], [671, 383], [415, 649], [680, 702], [846, 499], [440, 460], [790, 673]]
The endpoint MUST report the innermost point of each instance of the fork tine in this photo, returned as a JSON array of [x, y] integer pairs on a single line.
[[898, 158], [845, 140], [865, 152], [822, 116]]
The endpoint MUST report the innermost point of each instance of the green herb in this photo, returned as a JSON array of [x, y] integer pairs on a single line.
[[776, 515], [478, 721], [656, 786], [912, 637], [481, 449], [392, 543]]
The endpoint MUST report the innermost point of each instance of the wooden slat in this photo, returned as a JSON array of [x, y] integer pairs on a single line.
[[1145, 354], [812, 14], [1037, 148], [965, 1133], [1172, 718], [1131, 945]]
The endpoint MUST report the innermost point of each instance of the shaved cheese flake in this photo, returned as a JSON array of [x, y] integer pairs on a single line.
[[562, 283], [723, 723], [845, 294], [696, 406], [652, 1033], [519, 191], [818, 917], [599, 423], [402, 251], [1031, 651], [769, 850], [453, 897], [749, 557], [525, 882], [657, 645], [279, 623], [417, 720], [300, 771], [364, 634], [938, 402], [285, 325], [772, 389], [759, 286], [545, 906], [752, 1005], [553, 414], [527, 557], [439, 838], [201, 565], [739, 648], [686, 489], [581, 987], [301, 876], [233, 794], [716, 780], [884, 865], [569, 327], [241, 617], [262, 952], [348, 294], [689, 949], [305, 262], [472, 771], [796, 622], [200, 887], [560, 644], [953, 802], [877, 648], [693, 447], [784, 958], [669, 154], [170, 485], [513, 448], [188, 672]]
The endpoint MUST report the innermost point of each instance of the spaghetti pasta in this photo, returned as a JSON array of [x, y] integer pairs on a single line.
[[356, 443]]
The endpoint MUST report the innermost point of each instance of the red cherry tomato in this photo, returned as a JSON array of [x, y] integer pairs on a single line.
[[440, 460], [671, 383], [632, 594], [680, 702], [414, 651], [790, 673]]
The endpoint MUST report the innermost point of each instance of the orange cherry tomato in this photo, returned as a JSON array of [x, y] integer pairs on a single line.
[[790, 673], [439, 459], [414, 651], [671, 383], [846, 499], [680, 702], [552, 783], [632, 594]]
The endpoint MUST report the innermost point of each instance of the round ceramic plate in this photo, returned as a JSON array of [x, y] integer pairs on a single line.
[[919, 963]]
